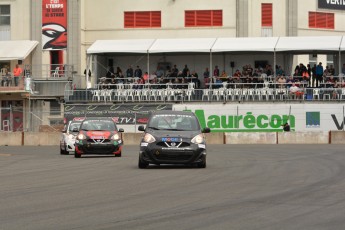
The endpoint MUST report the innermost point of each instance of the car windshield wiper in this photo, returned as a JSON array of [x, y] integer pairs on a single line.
[[84, 129], [155, 128], [175, 129]]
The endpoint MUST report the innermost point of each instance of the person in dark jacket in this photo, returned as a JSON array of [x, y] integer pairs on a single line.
[[286, 127]]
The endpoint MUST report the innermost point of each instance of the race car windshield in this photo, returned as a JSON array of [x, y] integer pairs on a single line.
[[98, 125], [74, 126], [174, 122]]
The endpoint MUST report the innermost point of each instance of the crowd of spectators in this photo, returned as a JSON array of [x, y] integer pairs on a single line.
[[245, 77]]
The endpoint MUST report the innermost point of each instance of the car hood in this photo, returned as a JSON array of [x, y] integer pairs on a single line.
[[169, 133]]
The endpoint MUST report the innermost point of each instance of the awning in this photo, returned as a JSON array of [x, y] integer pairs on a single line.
[[309, 44], [186, 45], [251, 44], [16, 49], [120, 46]]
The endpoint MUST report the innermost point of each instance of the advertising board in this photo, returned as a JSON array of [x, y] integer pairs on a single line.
[[267, 117], [126, 114]]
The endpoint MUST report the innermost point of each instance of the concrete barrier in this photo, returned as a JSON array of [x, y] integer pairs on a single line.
[[333, 137], [337, 137], [132, 138], [214, 138], [251, 138], [11, 138], [321, 137], [41, 138]]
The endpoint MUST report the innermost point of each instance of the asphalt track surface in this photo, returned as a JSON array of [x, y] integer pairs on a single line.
[[243, 187]]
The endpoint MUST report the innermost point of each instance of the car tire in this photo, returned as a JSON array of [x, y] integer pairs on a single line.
[[118, 155], [142, 164], [76, 155], [62, 152], [202, 164]]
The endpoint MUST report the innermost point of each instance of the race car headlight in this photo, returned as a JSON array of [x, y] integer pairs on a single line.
[[149, 138], [115, 137], [81, 136], [198, 139]]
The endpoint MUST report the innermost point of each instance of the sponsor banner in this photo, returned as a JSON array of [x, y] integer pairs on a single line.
[[267, 117], [121, 113], [332, 4], [54, 24]]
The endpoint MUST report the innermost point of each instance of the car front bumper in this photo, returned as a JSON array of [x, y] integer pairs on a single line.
[[154, 154], [83, 147]]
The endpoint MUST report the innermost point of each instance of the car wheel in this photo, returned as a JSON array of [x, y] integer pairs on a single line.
[[76, 155], [202, 164], [118, 155], [142, 164], [61, 151]]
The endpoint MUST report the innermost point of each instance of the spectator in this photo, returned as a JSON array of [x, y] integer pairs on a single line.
[[313, 72], [129, 72], [216, 71], [343, 69], [159, 72], [110, 72], [319, 74], [286, 127], [146, 77], [185, 71], [195, 79], [138, 73], [281, 82], [206, 76], [17, 72], [174, 71]]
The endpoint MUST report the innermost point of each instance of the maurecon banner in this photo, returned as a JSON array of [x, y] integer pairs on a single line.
[[120, 113], [332, 4]]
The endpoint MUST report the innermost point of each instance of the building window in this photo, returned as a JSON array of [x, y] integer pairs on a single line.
[[5, 15], [266, 15], [142, 19], [196, 18], [321, 20]]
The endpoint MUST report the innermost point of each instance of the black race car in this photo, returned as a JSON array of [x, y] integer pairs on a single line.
[[98, 136], [173, 137]]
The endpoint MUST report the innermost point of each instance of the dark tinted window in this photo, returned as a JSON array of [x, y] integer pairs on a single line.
[[98, 125], [174, 122]]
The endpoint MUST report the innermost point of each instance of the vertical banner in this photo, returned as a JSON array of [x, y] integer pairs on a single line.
[[54, 24]]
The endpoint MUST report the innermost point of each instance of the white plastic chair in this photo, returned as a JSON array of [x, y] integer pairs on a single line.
[[96, 95], [206, 93], [56, 72], [316, 94]]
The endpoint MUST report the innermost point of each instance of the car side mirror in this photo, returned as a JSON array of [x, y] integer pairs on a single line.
[[141, 128], [206, 130], [75, 130], [121, 130]]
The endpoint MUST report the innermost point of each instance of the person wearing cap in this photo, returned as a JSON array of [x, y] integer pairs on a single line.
[[319, 74], [286, 127]]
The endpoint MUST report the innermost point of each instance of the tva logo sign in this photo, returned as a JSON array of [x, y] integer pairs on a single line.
[[336, 122]]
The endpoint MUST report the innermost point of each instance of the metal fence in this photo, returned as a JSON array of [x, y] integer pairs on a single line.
[[224, 92]]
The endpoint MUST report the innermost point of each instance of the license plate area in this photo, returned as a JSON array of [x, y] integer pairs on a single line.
[[171, 139]]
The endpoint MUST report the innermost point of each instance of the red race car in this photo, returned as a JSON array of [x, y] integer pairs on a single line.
[[98, 136]]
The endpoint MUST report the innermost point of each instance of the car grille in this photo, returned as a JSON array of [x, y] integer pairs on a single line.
[[98, 140], [183, 144], [174, 156]]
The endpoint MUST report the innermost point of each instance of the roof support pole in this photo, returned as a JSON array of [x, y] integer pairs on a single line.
[[148, 63], [211, 71]]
